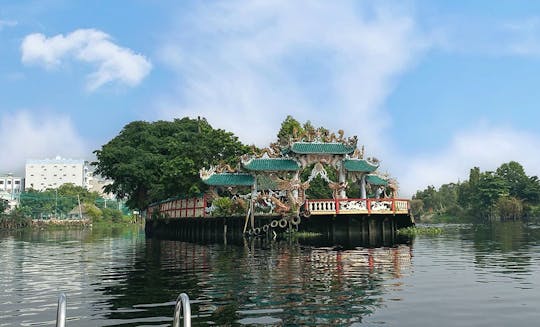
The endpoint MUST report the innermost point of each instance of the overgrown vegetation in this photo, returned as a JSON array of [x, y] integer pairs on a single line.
[[505, 194]]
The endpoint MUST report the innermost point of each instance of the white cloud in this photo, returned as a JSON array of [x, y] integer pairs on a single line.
[[489, 36], [245, 65], [114, 63], [525, 37], [24, 135], [7, 23], [485, 147]]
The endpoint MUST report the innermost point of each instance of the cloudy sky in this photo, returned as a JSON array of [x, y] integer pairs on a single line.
[[432, 88]]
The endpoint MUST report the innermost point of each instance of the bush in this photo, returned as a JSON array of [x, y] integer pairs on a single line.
[[223, 206], [113, 215], [509, 208]]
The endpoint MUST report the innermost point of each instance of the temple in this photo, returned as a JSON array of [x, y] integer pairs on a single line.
[[274, 176], [279, 188]]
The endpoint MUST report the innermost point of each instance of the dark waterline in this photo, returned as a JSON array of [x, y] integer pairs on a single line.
[[469, 276]]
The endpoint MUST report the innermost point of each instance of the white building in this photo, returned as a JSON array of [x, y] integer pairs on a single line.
[[51, 173], [10, 188]]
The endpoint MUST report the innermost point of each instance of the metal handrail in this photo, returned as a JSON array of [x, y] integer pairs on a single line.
[[182, 304], [61, 311]]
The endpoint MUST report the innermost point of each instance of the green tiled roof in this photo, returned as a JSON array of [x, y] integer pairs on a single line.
[[376, 180], [225, 179], [359, 165], [321, 148], [272, 164]]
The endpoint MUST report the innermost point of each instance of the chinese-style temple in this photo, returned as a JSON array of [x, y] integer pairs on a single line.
[[269, 191]]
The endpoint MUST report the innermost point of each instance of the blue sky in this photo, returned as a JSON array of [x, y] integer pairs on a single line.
[[432, 88]]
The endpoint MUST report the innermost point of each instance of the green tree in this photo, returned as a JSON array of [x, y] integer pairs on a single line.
[[515, 178], [148, 162], [3, 206], [490, 188], [288, 128]]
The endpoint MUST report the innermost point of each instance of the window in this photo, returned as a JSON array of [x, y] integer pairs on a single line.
[[9, 182], [17, 182], [1, 182]]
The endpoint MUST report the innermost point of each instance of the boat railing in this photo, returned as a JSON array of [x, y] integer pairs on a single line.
[[61, 311], [182, 305]]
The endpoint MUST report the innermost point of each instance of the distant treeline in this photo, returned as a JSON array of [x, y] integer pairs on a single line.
[[505, 194], [62, 203]]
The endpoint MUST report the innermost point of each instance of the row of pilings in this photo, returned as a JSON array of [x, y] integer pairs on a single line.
[[341, 229]]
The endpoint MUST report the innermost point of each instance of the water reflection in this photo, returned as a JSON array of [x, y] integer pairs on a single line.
[[469, 275], [253, 284], [503, 248]]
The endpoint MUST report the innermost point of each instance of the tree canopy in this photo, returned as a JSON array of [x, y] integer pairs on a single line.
[[151, 161], [507, 193]]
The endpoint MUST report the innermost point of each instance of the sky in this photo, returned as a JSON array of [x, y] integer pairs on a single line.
[[431, 88]]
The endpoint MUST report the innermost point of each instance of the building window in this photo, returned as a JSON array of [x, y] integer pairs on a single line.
[[17, 182], [1, 182], [9, 182]]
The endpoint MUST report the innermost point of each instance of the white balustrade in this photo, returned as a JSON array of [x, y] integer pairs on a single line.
[[358, 206]]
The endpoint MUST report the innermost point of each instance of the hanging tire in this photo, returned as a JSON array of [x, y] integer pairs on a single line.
[[296, 220], [265, 228], [274, 224], [282, 223], [306, 213], [257, 231]]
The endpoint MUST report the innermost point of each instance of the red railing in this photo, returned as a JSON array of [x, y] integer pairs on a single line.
[[179, 208]]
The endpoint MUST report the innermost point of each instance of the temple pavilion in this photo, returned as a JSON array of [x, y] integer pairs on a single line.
[[274, 177]]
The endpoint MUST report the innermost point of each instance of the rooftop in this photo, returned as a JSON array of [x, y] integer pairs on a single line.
[[229, 179], [272, 164], [359, 165], [321, 148]]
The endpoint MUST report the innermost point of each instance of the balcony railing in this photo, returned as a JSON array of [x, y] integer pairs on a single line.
[[357, 206]]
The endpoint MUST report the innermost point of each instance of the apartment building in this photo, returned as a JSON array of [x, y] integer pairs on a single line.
[[51, 173]]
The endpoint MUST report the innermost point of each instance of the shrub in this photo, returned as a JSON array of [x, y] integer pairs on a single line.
[[223, 206]]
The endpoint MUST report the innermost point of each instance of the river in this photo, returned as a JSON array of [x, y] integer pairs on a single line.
[[468, 276]]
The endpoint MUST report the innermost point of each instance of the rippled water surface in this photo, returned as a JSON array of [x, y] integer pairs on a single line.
[[469, 276]]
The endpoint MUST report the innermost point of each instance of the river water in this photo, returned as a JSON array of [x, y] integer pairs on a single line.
[[468, 276]]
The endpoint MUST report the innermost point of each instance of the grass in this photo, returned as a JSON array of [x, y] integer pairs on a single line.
[[420, 230]]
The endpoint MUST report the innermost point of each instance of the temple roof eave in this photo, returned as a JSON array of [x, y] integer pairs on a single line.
[[359, 165], [376, 180], [229, 179], [321, 148], [271, 164]]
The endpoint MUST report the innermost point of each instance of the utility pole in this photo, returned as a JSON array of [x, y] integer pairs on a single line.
[[80, 209], [56, 203]]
